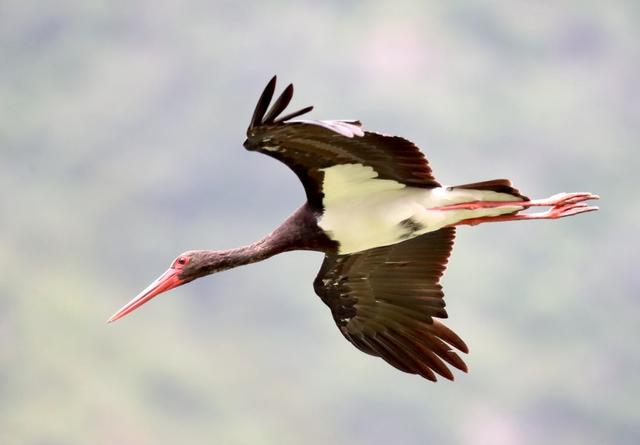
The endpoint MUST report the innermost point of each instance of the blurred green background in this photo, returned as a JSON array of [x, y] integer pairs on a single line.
[[121, 126]]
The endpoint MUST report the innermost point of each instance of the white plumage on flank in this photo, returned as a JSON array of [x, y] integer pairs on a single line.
[[362, 211]]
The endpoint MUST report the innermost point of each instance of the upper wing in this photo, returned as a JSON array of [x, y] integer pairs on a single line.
[[308, 146], [383, 301]]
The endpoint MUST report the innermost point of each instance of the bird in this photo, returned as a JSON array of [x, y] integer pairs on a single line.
[[386, 228]]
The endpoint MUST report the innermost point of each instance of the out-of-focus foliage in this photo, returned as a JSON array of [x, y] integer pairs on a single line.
[[121, 126]]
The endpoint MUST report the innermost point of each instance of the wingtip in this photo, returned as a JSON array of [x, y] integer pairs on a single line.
[[271, 85], [288, 90], [281, 103], [295, 114], [263, 103]]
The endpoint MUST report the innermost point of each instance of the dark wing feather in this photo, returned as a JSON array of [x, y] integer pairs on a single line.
[[384, 301], [309, 146], [263, 103], [290, 116], [279, 105]]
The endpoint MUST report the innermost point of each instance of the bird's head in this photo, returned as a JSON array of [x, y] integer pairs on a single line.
[[185, 268]]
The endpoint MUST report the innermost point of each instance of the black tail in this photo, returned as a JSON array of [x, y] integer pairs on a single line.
[[494, 185]]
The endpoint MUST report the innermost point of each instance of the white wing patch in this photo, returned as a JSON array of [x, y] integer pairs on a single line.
[[362, 212], [351, 180]]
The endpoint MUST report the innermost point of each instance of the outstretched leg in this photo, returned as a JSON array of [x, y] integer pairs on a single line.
[[565, 207], [559, 200]]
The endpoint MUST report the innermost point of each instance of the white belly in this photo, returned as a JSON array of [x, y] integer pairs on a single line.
[[362, 212]]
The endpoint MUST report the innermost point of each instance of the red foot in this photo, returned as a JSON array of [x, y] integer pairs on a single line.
[[568, 208], [561, 199]]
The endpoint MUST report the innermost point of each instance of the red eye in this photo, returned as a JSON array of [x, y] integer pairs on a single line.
[[182, 261]]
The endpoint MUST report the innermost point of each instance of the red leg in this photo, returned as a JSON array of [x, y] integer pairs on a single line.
[[558, 200], [566, 209]]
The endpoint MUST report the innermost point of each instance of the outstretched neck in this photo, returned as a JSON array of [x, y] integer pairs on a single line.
[[219, 260], [299, 231]]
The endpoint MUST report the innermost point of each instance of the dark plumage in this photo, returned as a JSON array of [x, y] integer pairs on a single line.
[[384, 300], [307, 146]]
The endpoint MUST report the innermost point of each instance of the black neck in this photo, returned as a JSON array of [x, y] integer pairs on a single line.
[[298, 232]]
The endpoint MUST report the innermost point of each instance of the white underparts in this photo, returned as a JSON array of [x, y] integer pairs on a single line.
[[362, 212]]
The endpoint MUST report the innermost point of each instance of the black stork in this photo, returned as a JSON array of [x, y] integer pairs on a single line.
[[385, 225]]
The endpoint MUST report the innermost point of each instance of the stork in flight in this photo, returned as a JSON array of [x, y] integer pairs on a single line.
[[385, 225]]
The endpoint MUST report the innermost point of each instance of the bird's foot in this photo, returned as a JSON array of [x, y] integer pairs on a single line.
[[568, 207], [561, 199]]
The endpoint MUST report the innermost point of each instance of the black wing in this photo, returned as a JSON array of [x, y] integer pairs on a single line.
[[308, 146], [384, 300]]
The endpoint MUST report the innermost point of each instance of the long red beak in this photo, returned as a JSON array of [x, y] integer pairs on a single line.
[[166, 281]]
